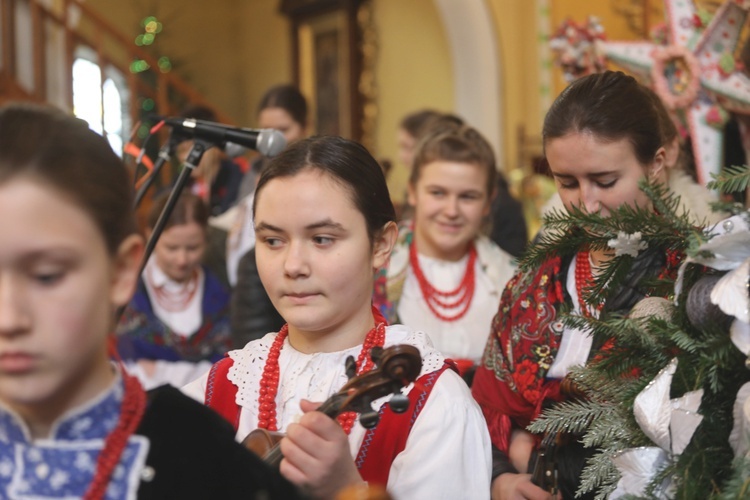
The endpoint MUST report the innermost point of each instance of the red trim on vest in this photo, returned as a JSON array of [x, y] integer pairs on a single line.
[[221, 394], [382, 444]]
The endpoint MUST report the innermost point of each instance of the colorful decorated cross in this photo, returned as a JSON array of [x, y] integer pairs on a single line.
[[695, 74]]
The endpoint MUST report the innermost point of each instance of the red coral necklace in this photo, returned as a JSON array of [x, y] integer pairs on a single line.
[[458, 299], [173, 300], [133, 406], [584, 281], [269, 381]]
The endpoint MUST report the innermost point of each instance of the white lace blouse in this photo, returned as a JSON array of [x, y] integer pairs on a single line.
[[447, 454]]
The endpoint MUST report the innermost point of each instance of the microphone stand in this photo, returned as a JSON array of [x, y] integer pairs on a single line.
[[194, 157], [164, 155]]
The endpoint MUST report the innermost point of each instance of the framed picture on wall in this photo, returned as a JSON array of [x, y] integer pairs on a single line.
[[324, 72], [327, 63]]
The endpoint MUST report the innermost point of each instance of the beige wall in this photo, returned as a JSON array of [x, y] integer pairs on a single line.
[[516, 28], [230, 52], [266, 50], [413, 71]]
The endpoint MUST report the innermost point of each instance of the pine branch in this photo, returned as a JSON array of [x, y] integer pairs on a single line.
[[601, 386], [634, 332], [570, 416], [600, 474], [615, 429], [729, 207], [566, 231], [731, 179], [738, 485]]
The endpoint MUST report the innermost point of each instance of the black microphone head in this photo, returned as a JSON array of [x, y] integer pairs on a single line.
[[271, 142]]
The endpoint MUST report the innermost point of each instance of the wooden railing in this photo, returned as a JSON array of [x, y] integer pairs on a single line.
[[59, 33]]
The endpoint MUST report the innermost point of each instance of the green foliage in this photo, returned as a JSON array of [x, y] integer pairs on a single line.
[[706, 357], [731, 179], [737, 486]]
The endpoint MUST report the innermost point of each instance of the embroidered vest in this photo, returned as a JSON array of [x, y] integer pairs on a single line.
[[380, 446]]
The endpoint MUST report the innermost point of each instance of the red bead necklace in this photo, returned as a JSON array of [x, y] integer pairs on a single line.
[[174, 301], [133, 406], [269, 382], [584, 280], [460, 298]]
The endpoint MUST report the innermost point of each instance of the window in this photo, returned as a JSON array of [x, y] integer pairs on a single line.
[[102, 106]]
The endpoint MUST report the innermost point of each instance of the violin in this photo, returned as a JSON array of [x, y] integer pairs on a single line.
[[544, 466], [395, 368]]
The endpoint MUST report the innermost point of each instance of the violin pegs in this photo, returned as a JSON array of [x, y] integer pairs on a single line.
[[369, 419], [399, 403], [376, 353], [350, 367]]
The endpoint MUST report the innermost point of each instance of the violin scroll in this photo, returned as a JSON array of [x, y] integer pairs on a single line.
[[395, 368]]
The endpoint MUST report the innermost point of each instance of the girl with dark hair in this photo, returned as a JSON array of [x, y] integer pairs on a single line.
[[177, 324], [325, 223], [72, 423], [444, 276], [602, 135]]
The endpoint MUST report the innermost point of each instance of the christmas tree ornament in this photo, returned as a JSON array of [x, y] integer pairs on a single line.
[[732, 293], [669, 423], [701, 312], [627, 244], [653, 307]]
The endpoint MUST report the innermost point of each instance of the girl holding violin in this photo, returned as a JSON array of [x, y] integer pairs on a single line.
[[325, 223], [72, 423]]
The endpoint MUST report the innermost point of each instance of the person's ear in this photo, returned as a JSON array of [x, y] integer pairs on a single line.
[[672, 152], [383, 244], [127, 262], [657, 171]]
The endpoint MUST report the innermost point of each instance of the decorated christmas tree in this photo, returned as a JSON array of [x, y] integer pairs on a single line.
[[664, 403]]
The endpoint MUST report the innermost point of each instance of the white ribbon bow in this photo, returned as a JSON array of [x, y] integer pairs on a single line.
[[669, 423], [729, 246]]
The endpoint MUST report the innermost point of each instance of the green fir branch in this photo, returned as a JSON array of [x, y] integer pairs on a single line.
[[566, 231], [616, 429], [731, 179], [570, 416], [625, 330], [727, 207], [600, 474], [601, 386], [737, 486]]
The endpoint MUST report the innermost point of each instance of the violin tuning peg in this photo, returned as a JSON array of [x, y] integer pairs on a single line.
[[399, 403], [375, 354], [350, 367], [369, 419]]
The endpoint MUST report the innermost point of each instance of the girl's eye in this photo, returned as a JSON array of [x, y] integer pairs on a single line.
[[607, 185], [436, 193], [48, 278], [568, 185], [272, 242], [322, 240], [470, 196]]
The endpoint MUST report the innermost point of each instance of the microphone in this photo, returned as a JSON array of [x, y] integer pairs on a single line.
[[267, 141]]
